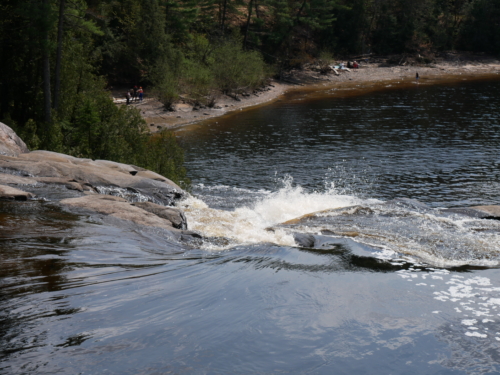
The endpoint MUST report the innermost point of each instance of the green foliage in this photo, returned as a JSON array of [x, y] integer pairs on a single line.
[[235, 69], [29, 135], [87, 124], [481, 29], [166, 157], [192, 49], [206, 68], [180, 17], [149, 35], [197, 81], [200, 49], [293, 27], [325, 59], [167, 92]]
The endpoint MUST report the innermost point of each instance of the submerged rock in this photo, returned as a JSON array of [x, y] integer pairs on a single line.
[[304, 239], [407, 203], [479, 212], [320, 215]]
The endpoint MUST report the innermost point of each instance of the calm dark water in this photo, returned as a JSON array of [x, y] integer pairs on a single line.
[[78, 296], [438, 144]]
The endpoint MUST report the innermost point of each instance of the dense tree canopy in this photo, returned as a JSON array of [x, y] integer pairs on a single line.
[[58, 56]]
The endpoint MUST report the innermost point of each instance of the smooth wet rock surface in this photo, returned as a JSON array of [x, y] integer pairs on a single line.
[[119, 208], [10, 193], [174, 215], [10, 179], [100, 187], [93, 174]]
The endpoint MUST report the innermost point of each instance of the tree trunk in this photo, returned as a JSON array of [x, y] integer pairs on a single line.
[[223, 21], [57, 81], [248, 23], [293, 24], [46, 67], [167, 15]]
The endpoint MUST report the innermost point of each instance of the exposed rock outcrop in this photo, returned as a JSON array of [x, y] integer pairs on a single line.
[[92, 175], [10, 179], [10, 143], [124, 192], [119, 208], [174, 215]]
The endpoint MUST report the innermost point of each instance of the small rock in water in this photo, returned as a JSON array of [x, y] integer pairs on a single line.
[[10, 193], [304, 239]]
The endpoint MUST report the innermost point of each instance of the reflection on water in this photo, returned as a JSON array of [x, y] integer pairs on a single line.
[[80, 296], [438, 144]]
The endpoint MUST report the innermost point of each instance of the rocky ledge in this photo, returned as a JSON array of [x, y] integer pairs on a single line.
[[341, 218], [101, 188]]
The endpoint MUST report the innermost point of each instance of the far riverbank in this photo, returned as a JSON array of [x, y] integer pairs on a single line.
[[373, 74]]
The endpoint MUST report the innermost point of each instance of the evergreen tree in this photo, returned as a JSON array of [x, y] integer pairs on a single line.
[[481, 30]]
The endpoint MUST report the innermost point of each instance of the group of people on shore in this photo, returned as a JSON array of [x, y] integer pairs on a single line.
[[352, 65], [135, 94]]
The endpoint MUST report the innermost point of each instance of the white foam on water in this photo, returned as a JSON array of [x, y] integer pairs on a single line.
[[443, 241], [248, 224]]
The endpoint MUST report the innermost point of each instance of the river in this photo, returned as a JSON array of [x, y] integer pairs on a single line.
[[389, 287]]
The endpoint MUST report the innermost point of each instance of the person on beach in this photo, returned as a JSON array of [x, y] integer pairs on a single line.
[[141, 92], [416, 77], [128, 96], [134, 93]]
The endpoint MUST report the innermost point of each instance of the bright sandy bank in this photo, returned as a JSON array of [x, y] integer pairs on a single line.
[[373, 74]]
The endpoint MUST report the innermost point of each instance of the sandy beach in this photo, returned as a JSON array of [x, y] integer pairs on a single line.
[[373, 74]]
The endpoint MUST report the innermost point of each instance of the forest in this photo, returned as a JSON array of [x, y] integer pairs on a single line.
[[59, 58]]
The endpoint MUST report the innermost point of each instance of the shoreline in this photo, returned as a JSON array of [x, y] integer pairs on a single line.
[[371, 76]]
